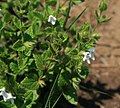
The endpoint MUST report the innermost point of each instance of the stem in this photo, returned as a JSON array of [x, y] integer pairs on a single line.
[[51, 91], [56, 101], [76, 19], [63, 3], [67, 16], [58, 6]]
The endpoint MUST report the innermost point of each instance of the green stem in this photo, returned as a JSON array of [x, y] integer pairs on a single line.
[[56, 101], [58, 6], [76, 19], [89, 2], [67, 16], [51, 91]]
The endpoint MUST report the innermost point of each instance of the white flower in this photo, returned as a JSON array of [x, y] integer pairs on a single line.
[[92, 50], [6, 96], [0, 14], [89, 55], [86, 57], [52, 20], [9, 97]]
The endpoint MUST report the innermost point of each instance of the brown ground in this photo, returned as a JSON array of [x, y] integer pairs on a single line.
[[103, 84]]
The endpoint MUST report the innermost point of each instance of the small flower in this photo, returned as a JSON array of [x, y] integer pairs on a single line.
[[9, 97], [52, 20], [92, 50], [6, 96], [89, 55], [86, 57], [0, 14]]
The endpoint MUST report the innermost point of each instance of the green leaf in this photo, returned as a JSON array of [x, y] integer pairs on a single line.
[[76, 82], [96, 36], [7, 105], [38, 15], [51, 2], [83, 72], [70, 95], [30, 83], [29, 44], [22, 63], [2, 25], [49, 10], [103, 19], [78, 1], [31, 95], [3, 67], [48, 30], [36, 28], [18, 46], [17, 22], [103, 5], [64, 78], [63, 37], [14, 67], [28, 51], [38, 61], [61, 81], [7, 17], [1, 83]]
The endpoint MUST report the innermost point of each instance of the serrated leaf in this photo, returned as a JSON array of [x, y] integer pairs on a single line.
[[38, 61], [30, 83], [28, 51], [29, 44], [17, 22], [3, 67], [61, 81], [64, 78], [30, 97], [36, 28], [70, 95], [18, 46], [22, 63], [14, 67]]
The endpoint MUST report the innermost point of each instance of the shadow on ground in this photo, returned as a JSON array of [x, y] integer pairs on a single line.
[[91, 95]]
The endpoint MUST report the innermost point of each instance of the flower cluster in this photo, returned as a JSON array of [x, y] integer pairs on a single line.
[[89, 55], [6, 96]]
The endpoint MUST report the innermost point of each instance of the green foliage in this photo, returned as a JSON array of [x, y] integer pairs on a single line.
[[40, 61], [101, 18], [78, 1]]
